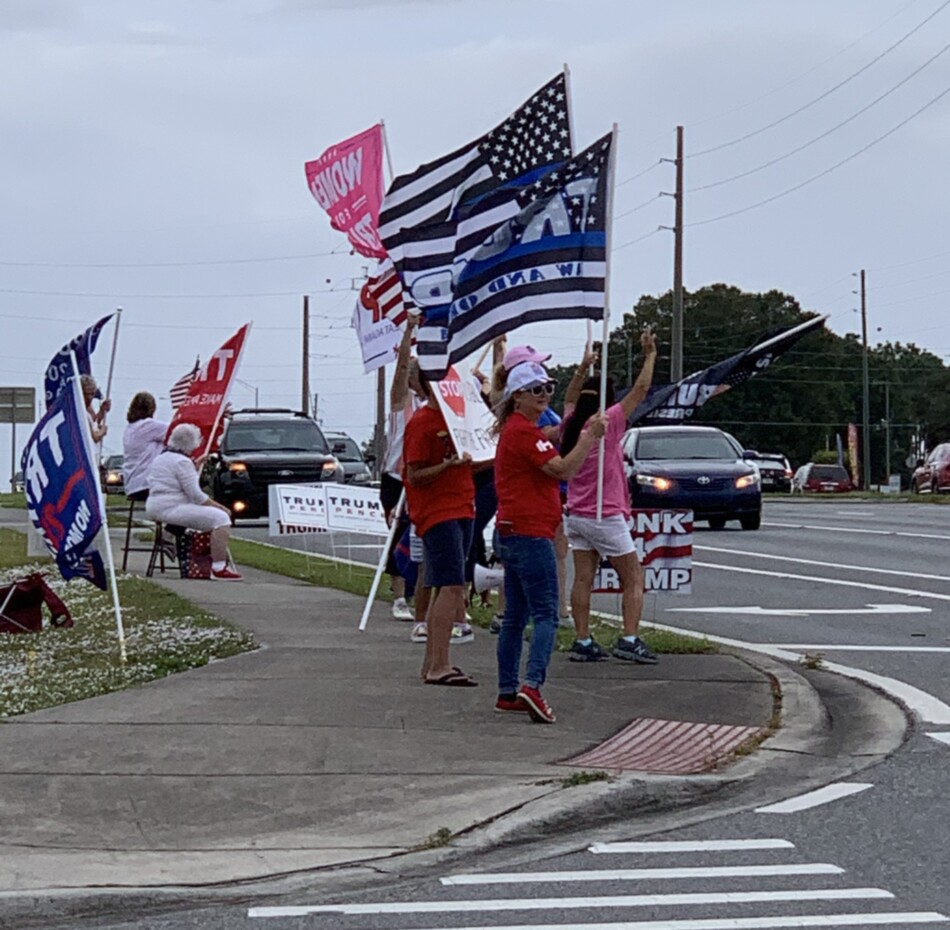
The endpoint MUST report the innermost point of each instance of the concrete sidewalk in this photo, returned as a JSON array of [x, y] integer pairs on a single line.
[[323, 747]]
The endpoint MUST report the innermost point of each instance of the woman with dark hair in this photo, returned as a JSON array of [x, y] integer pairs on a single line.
[[142, 442], [608, 537], [527, 471]]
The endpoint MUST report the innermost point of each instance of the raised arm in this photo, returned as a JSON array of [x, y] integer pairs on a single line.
[[579, 377], [637, 394], [399, 391]]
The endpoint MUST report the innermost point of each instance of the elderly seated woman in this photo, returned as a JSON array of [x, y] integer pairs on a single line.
[[175, 497]]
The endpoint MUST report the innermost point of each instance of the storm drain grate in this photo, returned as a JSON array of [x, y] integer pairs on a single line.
[[669, 746]]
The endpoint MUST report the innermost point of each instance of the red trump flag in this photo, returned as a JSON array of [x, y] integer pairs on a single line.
[[206, 399]]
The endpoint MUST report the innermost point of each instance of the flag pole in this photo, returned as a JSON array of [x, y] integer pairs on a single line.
[[611, 163], [813, 322], [397, 513], [389, 157], [115, 343], [110, 561]]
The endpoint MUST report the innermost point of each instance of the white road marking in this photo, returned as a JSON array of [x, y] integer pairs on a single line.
[[630, 875], [941, 737], [854, 513], [803, 802], [907, 592], [540, 904], [803, 612], [829, 565], [744, 923], [926, 706], [855, 529], [837, 647], [682, 846]]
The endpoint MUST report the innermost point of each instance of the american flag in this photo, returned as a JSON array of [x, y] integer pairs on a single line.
[[454, 188], [547, 261], [179, 390], [674, 403], [382, 294]]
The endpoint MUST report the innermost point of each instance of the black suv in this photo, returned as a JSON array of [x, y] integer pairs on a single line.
[[264, 447]]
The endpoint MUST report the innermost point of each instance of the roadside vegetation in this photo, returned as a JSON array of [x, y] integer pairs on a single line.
[[164, 634], [358, 579]]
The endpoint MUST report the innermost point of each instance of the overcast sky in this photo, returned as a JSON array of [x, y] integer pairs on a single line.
[[152, 158]]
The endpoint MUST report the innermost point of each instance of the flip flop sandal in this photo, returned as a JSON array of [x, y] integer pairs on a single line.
[[454, 679]]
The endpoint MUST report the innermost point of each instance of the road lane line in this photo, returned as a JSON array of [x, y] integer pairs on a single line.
[[579, 903], [855, 529], [820, 564], [838, 647], [816, 579], [632, 875], [804, 802], [926, 706], [681, 846], [941, 737]]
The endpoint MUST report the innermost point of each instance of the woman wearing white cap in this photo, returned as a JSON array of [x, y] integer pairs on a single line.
[[527, 471]]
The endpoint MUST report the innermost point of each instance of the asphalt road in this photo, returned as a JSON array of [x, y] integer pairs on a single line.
[[863, 586]]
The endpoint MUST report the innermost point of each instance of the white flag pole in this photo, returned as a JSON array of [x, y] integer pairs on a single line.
[[382, 560], [115, 343], [389, 157], [110, 561], [611, 163]]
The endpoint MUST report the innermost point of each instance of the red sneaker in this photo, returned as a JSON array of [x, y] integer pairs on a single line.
[[225, 574], [509, 703], [536, 705]]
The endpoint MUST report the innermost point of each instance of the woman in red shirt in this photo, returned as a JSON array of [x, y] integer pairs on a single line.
[[528, 470]]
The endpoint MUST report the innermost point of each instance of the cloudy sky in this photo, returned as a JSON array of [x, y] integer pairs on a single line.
[[152, 158]]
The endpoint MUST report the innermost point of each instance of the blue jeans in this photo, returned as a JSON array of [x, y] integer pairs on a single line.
[[531, 591]]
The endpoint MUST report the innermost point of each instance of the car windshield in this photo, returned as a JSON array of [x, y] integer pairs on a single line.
[[114, 461], [829, 473], [280, 436], [653, 446], [346, 450]]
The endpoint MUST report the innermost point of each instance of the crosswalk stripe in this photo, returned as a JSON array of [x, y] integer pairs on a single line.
[[540, 904], [614, 875], [684, 846], [811, 799]]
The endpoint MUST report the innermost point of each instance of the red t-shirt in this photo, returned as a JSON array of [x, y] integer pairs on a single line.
[[529, 501], [450, 495]]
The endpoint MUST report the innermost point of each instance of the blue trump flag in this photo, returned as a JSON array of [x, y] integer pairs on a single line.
[[546, 260], [62, 490], [60, 368]]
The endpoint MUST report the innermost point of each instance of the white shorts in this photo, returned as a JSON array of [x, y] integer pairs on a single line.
[[191, 516], [610, 536]]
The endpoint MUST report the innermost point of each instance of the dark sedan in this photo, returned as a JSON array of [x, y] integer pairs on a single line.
[[698, 468]]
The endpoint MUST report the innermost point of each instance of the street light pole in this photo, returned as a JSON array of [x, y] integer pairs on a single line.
[[866, 404]]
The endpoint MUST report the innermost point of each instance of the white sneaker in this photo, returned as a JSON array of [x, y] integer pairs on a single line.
[[420, 633], [462, 633], [401, 610]]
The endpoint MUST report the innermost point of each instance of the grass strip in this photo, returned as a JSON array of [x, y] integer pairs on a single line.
[[326, 573], [164, 634]]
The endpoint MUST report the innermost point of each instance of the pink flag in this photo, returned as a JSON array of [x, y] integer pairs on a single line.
[[207, 396], [347, 181]]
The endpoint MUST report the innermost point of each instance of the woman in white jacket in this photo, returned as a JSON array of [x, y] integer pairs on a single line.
[[175, 497]]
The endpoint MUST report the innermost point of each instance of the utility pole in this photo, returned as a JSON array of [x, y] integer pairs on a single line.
[[887, 428], [305, 376], [676, 336], [866, 405]]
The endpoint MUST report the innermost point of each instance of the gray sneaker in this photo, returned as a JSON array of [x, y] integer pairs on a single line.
[[636, 651], [495, 625], [592, 652]]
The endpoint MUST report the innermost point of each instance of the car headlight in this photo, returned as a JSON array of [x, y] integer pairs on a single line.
[[655, 482], [746, 481], [329, 467], [113, 478]]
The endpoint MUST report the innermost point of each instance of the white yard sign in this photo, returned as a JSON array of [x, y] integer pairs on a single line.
[[467, 416], [664, 544]]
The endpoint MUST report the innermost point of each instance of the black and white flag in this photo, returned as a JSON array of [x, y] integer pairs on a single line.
[[674, 403]]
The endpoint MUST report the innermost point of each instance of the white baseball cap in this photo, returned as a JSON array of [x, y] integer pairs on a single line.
[[525, 375]]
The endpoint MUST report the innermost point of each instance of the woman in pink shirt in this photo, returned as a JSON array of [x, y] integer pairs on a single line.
[[592, 539]]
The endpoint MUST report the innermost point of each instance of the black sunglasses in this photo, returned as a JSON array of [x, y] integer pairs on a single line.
[[539, 390]]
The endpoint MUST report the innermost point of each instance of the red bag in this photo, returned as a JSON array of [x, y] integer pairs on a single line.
[[194, 554], [21, 606]]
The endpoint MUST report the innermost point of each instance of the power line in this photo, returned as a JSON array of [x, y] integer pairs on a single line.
[[824, 135], [827, 171], [827, 93], [191, 264]]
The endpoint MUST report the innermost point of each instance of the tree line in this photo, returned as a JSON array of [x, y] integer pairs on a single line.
[[809, 395]]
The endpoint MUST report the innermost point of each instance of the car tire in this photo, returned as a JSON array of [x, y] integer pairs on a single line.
[[717, 523], [751, 521]]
